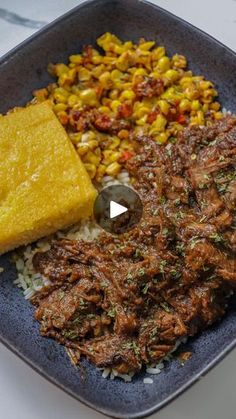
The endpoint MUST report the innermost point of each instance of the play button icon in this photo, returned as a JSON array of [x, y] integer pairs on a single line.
[[117, 209]]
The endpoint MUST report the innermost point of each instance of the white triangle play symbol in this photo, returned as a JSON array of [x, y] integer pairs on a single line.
[[116, 209]]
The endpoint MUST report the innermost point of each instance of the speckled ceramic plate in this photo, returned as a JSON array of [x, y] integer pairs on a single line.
[[23, 70]]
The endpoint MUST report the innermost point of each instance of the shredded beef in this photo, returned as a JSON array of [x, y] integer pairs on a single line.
[[124, 301]]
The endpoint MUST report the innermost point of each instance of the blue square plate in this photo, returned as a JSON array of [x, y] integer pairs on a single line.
[[25, 69]]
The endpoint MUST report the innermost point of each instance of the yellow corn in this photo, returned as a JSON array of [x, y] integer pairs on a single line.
[[105, 80], [163, 106], [76, 59], [104, 109], [161, 138], [123, 134], [89, 97], [114, 93], [92, 144], [91, 169], [195, 105], [172, 75], [72, 100], [97, 59], [185, 105], [115, 104], [114, 142], [90, 157], [109, 80], [146, 46], [82, 148], [113, 169], [159, 124], [163, 64], [158, 53], [59, 107], [127, 94], [84, 74], [179, 61]]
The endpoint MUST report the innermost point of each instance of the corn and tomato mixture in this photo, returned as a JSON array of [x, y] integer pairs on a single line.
[[105, 99]]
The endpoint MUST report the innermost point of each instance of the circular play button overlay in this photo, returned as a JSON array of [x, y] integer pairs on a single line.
[[117, 209]]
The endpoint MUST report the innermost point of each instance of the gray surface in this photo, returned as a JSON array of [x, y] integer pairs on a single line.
[[23, 394]]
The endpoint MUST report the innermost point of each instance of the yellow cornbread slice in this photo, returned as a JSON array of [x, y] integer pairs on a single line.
[[43, 183]]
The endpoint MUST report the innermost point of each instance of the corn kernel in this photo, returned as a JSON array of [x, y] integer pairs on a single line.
[[146, 46], [140, 72], [90, 157], [60, 98], [127, 94], [72, 100], [104, 109], [59, 107], [208, 95], [218, 115], [63, 117], [82, 148], [163, 106], [195, 105], [163, 64], [161, 138], [97, 71], [142, 121], [125, 144], [115, 104], [114, 93], [205, 107], [105, 40], [101, 170], [215, 106], [76, 59], [89, 97], [204, 85], [97, 59], [92, 144], [123, 134], [192, 93], [172, 75], [141, 111], [116, 75], [200, 118], [60, 69], [185, 105], [91, 169], [179, 61], [159, 124], [105, 80], [114, 142], [158, 53], [113, 169], [88, 136], [84, 74], [75, 137]]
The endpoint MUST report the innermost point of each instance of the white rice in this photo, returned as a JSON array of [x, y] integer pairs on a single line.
[[148, 380]]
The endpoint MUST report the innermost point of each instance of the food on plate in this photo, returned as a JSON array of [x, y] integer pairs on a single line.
[[126, 301], [104, 98], [136, 116], [44, 185]]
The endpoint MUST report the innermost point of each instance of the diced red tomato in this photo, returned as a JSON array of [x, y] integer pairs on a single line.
[[181, 119], [125, 110], [152, 116], [126, 155]]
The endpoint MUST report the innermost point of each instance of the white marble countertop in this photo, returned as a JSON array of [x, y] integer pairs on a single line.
[[23, 393]]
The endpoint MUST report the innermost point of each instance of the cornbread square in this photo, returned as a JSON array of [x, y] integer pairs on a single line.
[[43, 183]]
